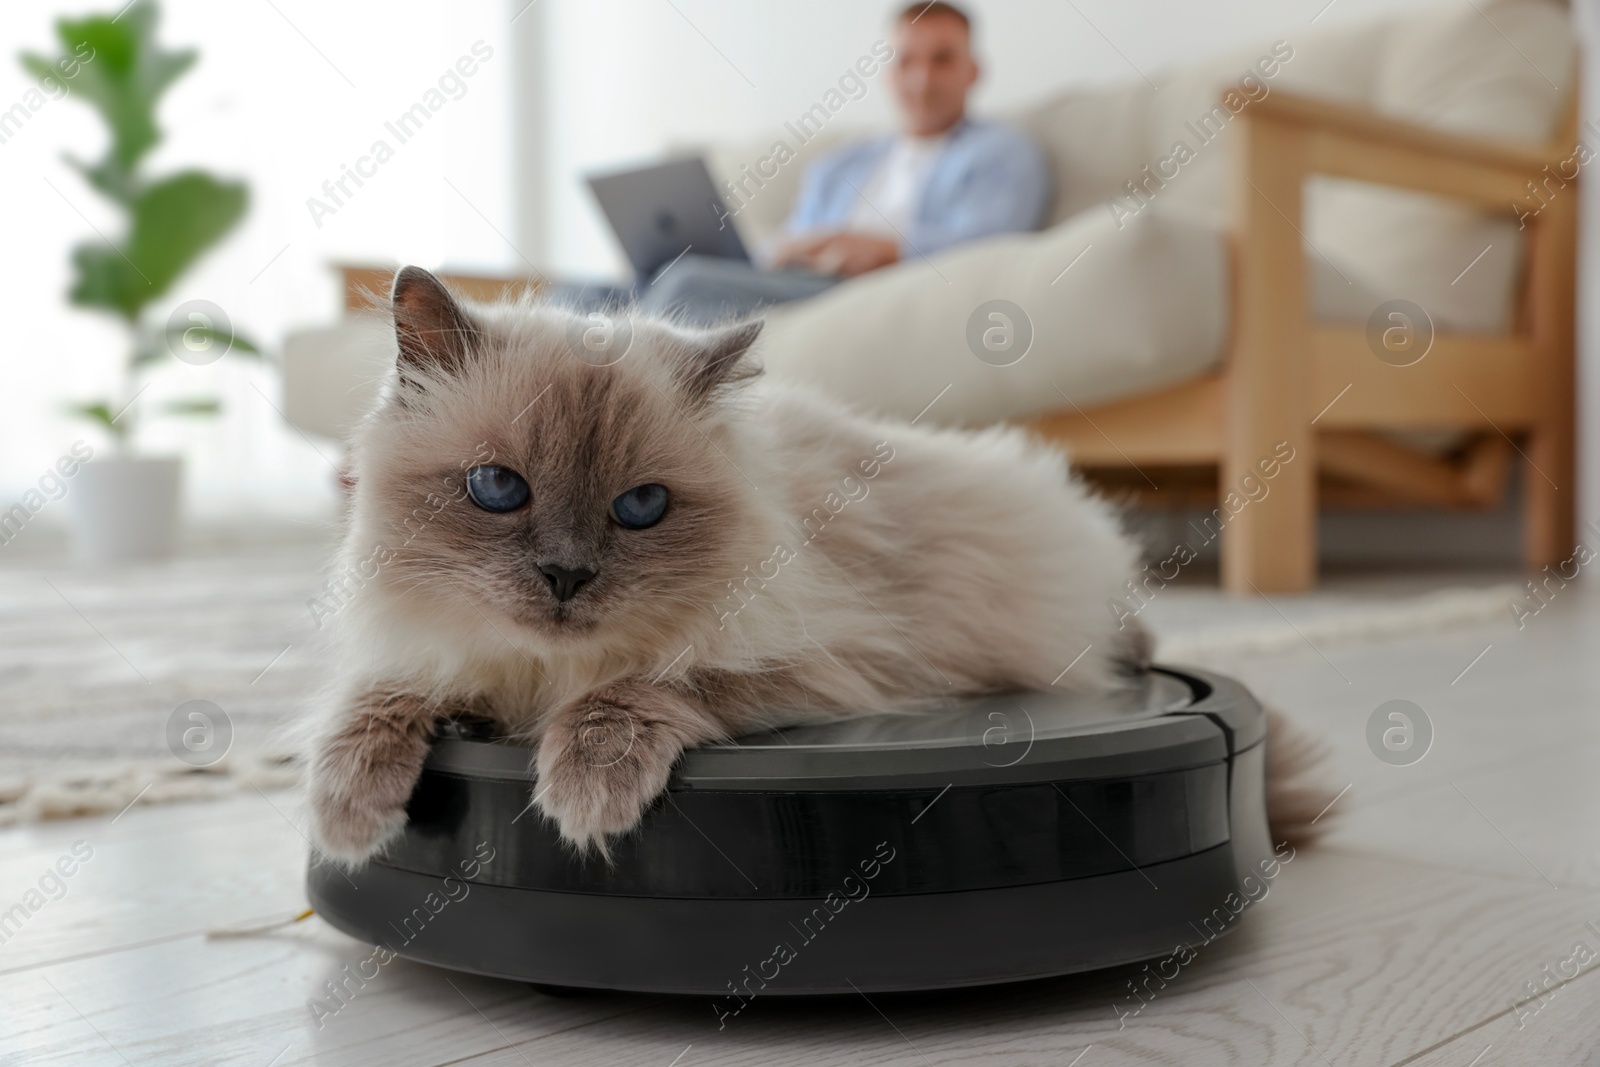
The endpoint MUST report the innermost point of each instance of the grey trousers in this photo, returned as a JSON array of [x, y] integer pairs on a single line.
[[704, 289]]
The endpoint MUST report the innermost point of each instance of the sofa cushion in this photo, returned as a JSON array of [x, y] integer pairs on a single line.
[[1144, 305], [1497, 69], [1095, 140], [1338, 64]]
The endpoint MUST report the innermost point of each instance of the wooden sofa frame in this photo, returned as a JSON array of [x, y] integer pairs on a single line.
[[1320, 387]]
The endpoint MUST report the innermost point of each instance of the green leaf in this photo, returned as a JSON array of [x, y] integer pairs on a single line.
[[176, 220], [194, 406], [98, 412], [243, 345], [159, 345], [149, 350], [114, 181], [231, 341], [113, 63], [107, 280]]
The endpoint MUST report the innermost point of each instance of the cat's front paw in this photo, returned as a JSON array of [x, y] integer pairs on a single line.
[[350, 827], [600, 764], [362, 776]]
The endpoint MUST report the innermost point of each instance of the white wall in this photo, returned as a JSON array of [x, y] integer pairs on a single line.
[[631, 77], [283, 97]]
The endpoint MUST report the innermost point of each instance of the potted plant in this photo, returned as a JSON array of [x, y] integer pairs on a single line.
[[126, 505]]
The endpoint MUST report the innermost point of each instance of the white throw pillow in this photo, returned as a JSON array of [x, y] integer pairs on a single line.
[[1336, 64], [1144, 306], [1497, 69]]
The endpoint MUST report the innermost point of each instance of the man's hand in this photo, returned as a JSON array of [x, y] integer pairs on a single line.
[[850, 254], [844, 254], [797, 251]]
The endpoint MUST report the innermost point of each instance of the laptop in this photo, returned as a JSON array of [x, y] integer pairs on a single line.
[[663, 211]]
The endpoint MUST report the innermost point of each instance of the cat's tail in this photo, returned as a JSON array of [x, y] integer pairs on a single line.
[[1298, 797]]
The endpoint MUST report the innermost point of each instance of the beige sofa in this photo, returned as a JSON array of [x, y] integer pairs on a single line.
[[1125, 296], [1203, 292]]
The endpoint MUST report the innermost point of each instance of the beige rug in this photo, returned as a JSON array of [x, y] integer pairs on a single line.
[[94, 665]]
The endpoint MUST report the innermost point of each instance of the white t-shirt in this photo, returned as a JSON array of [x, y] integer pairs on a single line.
[[889, 201]]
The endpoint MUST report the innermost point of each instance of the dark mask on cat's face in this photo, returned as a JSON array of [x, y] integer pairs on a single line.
[[576, 499]]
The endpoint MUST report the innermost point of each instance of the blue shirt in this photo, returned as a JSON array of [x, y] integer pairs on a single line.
[[989, 179]]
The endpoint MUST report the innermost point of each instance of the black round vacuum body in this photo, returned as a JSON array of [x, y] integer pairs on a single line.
[[1007, 838]]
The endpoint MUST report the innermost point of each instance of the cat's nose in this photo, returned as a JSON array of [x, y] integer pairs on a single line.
[[565, 581]]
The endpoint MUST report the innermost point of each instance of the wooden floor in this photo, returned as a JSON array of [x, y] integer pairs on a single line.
[[1410, 937]]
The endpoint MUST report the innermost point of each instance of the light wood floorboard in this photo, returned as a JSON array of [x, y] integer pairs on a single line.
[[1442, 889]]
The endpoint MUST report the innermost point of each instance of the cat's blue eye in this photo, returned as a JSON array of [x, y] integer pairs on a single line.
[[497, 488], [640, 507]]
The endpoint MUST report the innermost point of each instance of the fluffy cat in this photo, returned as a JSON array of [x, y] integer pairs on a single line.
[[620, 561]]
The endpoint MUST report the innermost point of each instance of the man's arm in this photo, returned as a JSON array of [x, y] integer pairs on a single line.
[[821, 208], [815, 182], [845, 254], [1006, 191], [1005, 188]]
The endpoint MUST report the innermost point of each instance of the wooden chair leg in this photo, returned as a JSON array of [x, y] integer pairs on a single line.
[[1550, 477], [1270, 542], [1549, 499]]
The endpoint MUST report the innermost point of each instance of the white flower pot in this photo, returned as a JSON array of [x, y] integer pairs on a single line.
[[126, 508]]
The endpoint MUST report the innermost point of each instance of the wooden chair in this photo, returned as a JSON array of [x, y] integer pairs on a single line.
[[1284, 370]]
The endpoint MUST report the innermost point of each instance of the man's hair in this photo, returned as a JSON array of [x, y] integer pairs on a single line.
[[914, 11]]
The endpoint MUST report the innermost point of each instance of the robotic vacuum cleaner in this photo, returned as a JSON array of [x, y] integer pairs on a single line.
[[1000, 839]]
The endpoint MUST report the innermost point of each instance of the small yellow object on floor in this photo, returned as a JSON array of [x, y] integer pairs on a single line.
[[250, 931]]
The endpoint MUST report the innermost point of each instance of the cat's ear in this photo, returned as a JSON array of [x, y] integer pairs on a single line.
[[719, 357], [433, 331]]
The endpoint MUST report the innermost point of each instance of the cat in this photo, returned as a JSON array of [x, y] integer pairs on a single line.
[[620, 558]]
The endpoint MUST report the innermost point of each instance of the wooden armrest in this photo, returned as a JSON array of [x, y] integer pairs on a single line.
[[361, 281], [1317, 137], [1373, 127]]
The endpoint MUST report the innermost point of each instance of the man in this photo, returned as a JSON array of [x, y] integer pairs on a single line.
[[942, 180]]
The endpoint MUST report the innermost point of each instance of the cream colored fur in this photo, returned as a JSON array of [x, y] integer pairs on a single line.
[[937, 563]]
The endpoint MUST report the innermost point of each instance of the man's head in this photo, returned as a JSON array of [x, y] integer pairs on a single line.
[[933, 66]]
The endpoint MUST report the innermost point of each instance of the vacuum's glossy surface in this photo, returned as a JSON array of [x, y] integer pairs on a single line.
[[999, 839]]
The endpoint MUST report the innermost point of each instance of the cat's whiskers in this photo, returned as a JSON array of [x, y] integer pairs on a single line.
[[460, 610]]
